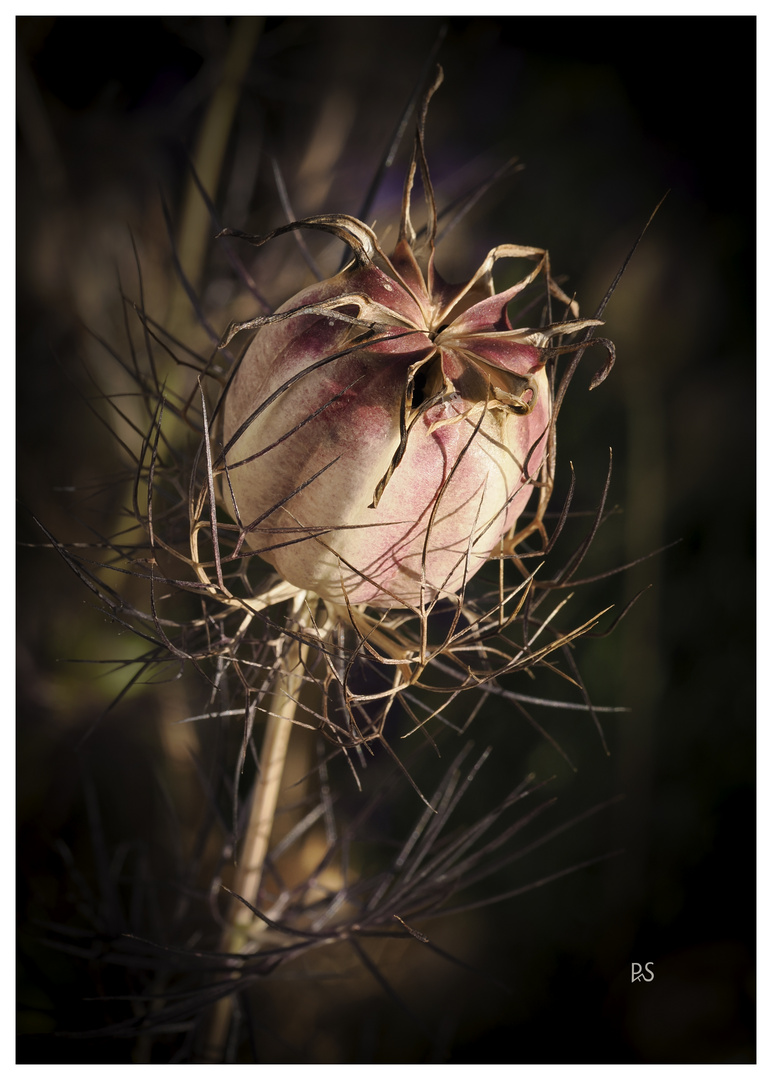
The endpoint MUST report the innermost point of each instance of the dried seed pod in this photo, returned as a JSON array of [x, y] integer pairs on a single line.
[[385, 429]]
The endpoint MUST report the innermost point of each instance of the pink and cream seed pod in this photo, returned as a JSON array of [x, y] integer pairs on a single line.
[[385, 429]]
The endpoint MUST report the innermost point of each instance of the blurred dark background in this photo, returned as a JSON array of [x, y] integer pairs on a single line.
[[606, 115]]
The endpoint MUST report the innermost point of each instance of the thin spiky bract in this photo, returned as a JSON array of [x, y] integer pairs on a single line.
[[436, 871]]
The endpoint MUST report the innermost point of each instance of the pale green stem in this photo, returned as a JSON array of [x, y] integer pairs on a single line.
[[241, 922]]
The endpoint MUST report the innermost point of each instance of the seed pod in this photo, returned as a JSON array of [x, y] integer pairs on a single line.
[[385, 429]]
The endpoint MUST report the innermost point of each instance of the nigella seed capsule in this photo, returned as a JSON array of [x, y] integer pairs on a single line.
[[385, 428]]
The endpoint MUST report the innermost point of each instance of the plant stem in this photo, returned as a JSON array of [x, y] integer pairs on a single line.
[[195, 231], [249, 871]]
